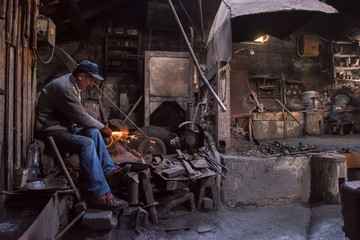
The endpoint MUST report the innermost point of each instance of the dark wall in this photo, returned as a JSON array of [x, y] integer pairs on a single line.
[[275, 57]]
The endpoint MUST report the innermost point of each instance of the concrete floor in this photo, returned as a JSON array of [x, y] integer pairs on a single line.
[[288, 221], [276, 222]]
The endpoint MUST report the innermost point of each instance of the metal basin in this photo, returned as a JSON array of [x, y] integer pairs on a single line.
[[46, 185]]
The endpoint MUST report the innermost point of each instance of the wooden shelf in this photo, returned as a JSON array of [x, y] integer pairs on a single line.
[[346, 68], [345, 56], [348, 80], [123, 36], [117, 47]]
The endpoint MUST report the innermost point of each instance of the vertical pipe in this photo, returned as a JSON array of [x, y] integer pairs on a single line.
[[203, 78], [202, 20]]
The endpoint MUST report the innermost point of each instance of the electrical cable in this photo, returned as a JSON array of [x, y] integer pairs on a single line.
[[49, 60], [142, 132], [193, 25]]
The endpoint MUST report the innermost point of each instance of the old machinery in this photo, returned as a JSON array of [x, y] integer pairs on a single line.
[[46, 30]]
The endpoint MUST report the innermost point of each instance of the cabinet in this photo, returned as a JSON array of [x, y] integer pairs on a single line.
[[121, 53], [346, 62]]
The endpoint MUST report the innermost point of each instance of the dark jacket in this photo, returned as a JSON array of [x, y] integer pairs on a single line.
[[59, 108]]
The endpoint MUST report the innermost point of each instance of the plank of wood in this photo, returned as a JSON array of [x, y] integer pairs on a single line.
[[31, 80], [9, 109], [18, 86], [35, 13], [15, 24], [24, 103], [9, 21]]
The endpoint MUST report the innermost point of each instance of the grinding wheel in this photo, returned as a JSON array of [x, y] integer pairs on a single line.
[[151, 145]]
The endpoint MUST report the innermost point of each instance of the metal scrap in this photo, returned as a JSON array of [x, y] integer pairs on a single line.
[[277, 148]]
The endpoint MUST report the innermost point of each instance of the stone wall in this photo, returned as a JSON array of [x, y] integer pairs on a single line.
[[265, 181]]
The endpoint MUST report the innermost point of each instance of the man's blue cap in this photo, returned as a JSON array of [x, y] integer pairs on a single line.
[[90, 68]]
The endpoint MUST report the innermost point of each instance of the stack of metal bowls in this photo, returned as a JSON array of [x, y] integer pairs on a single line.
[[310, 99]]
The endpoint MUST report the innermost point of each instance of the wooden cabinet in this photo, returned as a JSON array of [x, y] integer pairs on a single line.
[[346, 66]]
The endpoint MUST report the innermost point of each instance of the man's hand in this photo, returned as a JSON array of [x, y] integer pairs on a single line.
[[106, 131]]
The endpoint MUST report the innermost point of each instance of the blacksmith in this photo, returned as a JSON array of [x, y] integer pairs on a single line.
[[61, 115]]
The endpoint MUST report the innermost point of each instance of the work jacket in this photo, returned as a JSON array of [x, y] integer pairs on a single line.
[[59, 108]]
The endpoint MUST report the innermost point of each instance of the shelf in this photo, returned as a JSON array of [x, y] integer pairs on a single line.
[[123, 58], [117, 47], [122, 35], [345, 56], [346, 68], [348, 80]]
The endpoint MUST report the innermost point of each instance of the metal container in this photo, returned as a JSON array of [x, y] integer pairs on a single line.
[[310, 100]]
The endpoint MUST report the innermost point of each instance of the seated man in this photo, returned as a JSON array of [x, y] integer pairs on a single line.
[[61, 115]]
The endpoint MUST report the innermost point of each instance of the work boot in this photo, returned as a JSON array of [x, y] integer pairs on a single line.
[[109, 201], [115, 176]]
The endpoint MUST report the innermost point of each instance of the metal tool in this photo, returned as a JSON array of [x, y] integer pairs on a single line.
[[133, 188], [203, 78], [145, 180], [80, 206], [187, 166], [287, 110], [119, 110]]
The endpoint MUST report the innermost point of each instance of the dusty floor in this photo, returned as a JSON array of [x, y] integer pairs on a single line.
[[289, 221], [277, 222]]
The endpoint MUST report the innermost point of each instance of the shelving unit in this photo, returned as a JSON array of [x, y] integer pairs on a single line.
[[346, 62], [121, 54]]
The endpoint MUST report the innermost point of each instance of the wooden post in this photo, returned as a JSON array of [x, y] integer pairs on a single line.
[[24, 93], [2, 85], [35, 13], [18, 68], [9, 108], [328, 171]]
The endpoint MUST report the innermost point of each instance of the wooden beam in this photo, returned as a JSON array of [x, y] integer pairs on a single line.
[[18, 86], [76, 17], [9, 109]]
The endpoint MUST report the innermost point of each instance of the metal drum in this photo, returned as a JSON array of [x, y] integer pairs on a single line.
[[310, 99]]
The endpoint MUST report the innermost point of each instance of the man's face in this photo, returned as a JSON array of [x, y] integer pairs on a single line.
[[85, 80]]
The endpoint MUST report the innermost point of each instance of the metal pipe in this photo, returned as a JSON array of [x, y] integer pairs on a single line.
[[142, 132], [133, 108], [195, 114], [61, 161], [59, 236], [202, 20], [217, 159], [194, 58]]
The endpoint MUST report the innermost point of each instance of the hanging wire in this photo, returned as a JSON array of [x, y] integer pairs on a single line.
[[142, 132], [191, 22]]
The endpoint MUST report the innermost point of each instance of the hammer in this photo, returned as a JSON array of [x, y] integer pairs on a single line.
[[187, 166], [80, 206]]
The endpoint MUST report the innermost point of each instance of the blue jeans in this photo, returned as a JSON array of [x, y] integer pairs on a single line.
[[94, 158]]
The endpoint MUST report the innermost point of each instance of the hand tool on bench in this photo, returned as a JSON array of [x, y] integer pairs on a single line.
[[187, 166]]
